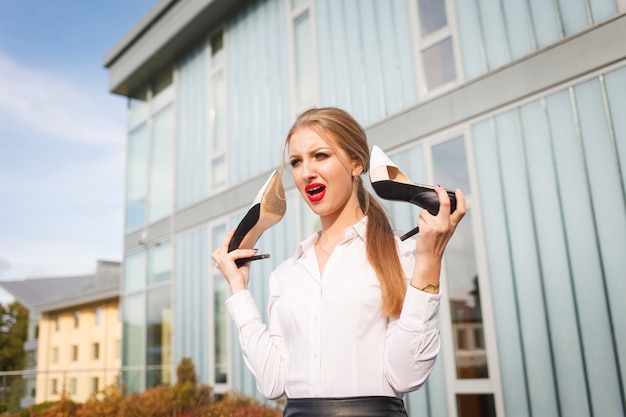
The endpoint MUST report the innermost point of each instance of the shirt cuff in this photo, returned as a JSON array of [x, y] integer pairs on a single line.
[[420, 311], [242, 308]]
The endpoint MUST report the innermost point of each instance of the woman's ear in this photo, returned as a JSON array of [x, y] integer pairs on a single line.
[[357, 169]]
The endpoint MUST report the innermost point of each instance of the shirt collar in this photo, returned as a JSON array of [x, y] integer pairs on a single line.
[[356, 230]]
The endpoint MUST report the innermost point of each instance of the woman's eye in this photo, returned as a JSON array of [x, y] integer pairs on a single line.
[[294, 162], [321, 155]]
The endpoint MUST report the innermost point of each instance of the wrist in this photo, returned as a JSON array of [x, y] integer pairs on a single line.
[[429, 288]]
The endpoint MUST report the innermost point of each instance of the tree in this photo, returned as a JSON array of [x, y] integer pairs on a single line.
[[13, 332]]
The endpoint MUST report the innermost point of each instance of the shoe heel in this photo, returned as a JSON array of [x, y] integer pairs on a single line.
[[267, 209]]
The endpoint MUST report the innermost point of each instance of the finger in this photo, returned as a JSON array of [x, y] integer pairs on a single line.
[[444, 201], [461, 206], [229, 237]]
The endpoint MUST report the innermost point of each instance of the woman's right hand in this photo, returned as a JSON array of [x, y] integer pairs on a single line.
[[237, 277]]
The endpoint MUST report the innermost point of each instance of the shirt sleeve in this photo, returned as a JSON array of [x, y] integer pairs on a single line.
[[262, 346], [413, 341]]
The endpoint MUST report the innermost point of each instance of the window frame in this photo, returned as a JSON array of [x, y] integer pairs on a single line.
[[214, 69], [292, 14], [423, 43]]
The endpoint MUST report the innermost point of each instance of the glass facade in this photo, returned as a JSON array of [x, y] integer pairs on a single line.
[[147, 318]]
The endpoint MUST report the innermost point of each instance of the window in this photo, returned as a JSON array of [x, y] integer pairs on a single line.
[[150, 162], [97, 315], [74, 353], [54, 386], [95, 385], [436, 62], [303, 53], [158, 338], [73, 386], [220, 319], [217, 113], [76, 319], [96, 351], [55, 355], [57, 322]]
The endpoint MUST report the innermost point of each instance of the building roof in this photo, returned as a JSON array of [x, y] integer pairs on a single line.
[[48, 294], [164, 34]]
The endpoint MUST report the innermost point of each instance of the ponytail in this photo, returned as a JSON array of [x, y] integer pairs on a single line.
[[382, 253]]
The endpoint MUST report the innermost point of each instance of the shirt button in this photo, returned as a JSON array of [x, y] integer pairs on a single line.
[[427, 323]]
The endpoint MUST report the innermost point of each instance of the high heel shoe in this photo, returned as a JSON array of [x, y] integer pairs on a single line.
[[390, 183], [267, 209]]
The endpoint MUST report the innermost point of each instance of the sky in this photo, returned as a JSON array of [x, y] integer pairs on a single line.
[[62, 136]]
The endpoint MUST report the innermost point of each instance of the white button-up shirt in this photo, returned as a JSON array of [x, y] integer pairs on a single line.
[[327, 336]]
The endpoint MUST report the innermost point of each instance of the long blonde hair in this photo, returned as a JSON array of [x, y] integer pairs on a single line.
[[339, 128]]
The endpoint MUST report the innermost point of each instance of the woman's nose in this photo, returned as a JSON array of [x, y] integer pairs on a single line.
[[308, 170]]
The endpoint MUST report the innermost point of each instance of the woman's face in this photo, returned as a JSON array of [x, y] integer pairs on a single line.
[[323, 175]]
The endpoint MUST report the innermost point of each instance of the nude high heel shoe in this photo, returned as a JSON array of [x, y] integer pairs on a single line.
[[390, 183], [267, 209]]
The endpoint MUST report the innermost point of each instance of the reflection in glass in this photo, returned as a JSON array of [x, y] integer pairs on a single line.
[[221, 292], [439, 64], [217, 48], [217, 112], [303, 58], [475, 405], [159, 346], [136, 177], [134, 271], [161, 200], [132, 381], [133, 329], [432, 15], [159, 263], [137, 109], [451, 171]]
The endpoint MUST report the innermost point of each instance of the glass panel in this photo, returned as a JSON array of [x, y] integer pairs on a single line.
[[475, 405], [494, 34], [135, 271], [432, 15], [217, 112], [615, 90], [518, 28], [465, 303], [160, 263], [159, 343], [573, 15], [303, 58], [470, 38], [603, 9], [545, 22], [137, 177], [439, 64], [218, 172], [450, 167], [221, 293], [134, 329], [297, 3], [132, 381], [137, 109], [162, 165]]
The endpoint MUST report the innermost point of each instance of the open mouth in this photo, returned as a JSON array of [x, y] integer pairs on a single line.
[[315, 191]]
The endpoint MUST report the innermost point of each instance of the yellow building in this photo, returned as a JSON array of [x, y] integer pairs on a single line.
[[78, 343]]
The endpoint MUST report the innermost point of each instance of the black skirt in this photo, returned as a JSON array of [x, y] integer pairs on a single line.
[[345, 407]]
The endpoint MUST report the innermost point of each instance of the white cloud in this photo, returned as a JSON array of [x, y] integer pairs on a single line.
[[55, 106], [63, 215]]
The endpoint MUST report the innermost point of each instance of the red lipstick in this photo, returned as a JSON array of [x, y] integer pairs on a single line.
[[315, 191]]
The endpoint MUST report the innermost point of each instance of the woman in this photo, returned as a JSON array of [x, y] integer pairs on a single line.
[[346, 335]]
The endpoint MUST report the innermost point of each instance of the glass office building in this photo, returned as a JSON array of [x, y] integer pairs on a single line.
[[520, 103]]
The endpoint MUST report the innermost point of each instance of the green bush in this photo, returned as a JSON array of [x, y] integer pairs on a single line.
[[184, 399]]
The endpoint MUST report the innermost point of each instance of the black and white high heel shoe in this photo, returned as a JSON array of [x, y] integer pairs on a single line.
[[267, 209], [390, 183]]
